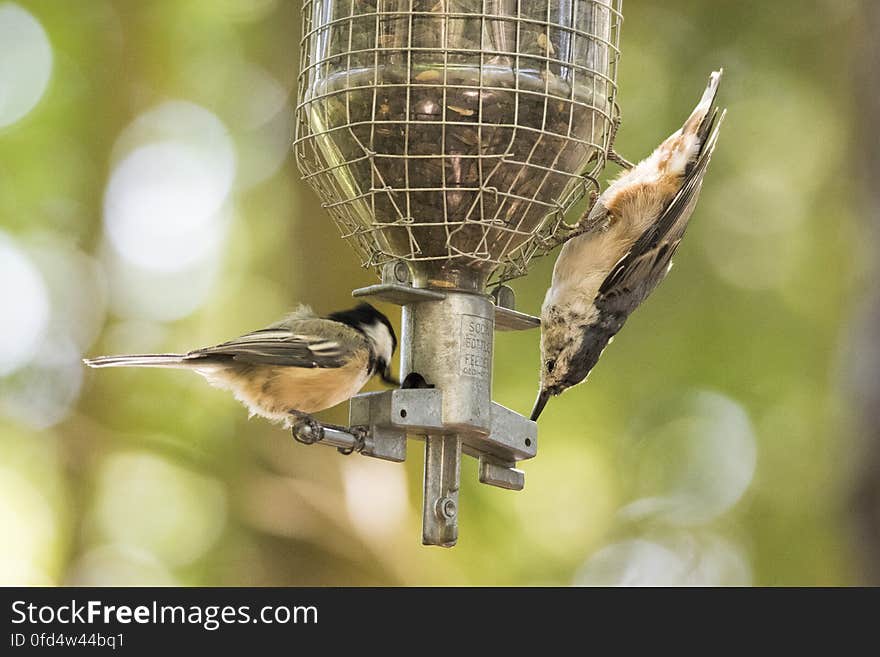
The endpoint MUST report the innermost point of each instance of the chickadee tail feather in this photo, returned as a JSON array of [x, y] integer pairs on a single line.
[[700, 119], [138, 360]]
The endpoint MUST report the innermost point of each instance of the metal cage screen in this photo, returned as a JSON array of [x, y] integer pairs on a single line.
[[455, 131]]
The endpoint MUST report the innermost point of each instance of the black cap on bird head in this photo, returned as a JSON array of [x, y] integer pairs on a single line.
[[378, 330]]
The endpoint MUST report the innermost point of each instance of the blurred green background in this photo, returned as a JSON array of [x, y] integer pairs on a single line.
[[149, 202]]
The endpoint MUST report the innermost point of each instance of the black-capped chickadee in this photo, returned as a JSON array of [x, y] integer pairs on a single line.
[[622, 251], [300, 365]]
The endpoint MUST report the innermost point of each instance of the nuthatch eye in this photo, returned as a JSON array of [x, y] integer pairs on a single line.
[[303, 364], [624, 250]]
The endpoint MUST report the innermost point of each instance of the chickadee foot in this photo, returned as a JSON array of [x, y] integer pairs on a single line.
[[360, 439], [306, 429]]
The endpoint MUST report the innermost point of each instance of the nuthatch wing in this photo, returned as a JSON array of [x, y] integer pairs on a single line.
[[300, 365], [624, 250]]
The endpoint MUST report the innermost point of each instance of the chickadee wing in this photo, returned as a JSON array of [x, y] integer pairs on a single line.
[[638, 272], [279, 346]]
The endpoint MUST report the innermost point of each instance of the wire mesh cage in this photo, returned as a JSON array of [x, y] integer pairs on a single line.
[[455, 134]]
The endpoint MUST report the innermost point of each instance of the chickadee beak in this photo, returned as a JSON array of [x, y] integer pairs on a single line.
[[540, 403]]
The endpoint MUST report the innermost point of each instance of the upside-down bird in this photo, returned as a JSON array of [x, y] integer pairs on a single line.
[[300, 365], [622, 250]]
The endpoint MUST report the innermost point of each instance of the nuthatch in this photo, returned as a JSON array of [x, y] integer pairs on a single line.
[[623, 250], [300, 365]]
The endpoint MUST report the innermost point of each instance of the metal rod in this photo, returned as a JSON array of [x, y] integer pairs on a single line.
[[339, 439], [329, 435], [442, 481]]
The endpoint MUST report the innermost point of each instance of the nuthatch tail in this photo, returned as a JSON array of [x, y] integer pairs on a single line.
[[624, 251], [303, 364]]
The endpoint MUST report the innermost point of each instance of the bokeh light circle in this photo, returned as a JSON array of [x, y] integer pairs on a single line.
[[25, 300], [162, 206], [676, 560], [25, 62], [182, 512], [696, 464]]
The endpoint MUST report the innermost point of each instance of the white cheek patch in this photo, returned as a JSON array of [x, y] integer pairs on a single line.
[[380, 336]]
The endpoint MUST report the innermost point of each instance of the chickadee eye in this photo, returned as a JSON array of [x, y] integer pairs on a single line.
[[550, 364]]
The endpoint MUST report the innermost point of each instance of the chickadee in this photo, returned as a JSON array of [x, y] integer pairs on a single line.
[[624, 251], [300, 365]]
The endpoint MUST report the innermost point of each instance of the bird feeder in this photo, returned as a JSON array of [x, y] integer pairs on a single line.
[[447, 139]]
